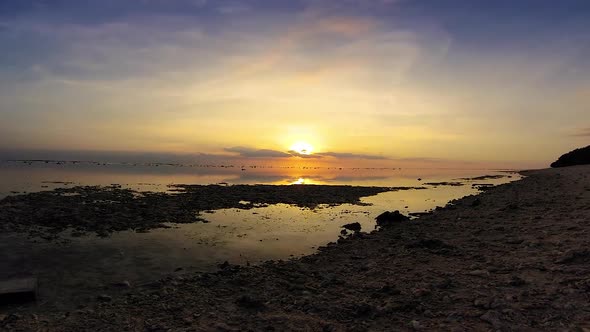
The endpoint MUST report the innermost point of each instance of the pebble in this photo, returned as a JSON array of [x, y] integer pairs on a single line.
[[104, 298], [124, 284], [416, 325]]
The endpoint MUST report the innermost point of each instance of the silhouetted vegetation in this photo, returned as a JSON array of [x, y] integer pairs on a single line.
[[579, 156]]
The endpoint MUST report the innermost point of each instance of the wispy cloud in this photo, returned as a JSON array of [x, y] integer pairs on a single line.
[[582, 132], [257, 153], [247, 152], [401, 78], [347, 155], [303, 155]]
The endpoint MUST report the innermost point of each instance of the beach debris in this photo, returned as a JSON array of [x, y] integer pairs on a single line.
[[389, 218], [18, 290], [355, 227]]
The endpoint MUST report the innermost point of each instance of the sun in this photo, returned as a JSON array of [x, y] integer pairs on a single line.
[[302, 148]]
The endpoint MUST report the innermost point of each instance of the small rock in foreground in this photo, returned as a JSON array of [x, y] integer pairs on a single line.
[[389, 218], [355, 227]]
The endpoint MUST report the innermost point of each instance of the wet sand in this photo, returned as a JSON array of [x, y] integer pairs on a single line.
[[515, 257]]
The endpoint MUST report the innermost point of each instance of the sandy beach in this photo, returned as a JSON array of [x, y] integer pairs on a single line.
[[512, 258]]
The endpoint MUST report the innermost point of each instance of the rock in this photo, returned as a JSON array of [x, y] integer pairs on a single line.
[[419, 292], [355, 227], [492, 317], [482, 302], [574, 257], [476, 202], [432, 244], [249, 302], [122, 284], [19, 290], [391, 290], [389, 218], [517, 281], [579, 156], [416, 325], [362, 310], [104, 298]]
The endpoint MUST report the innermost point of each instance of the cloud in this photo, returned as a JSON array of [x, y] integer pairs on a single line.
[[268, 153], [348, 155], [257, 153], [423, 159], [302, 155], [233, 8], [582, 132]]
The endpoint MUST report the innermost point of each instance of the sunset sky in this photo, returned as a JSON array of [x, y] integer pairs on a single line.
[[384, 81]]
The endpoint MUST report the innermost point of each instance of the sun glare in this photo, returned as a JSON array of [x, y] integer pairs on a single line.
[[299, 181], [302, 148]]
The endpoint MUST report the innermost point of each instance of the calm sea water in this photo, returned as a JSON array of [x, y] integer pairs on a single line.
[[75, 271], [28, 176]]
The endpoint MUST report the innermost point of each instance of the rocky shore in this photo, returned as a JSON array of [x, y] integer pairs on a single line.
[[515, 257], [104, 210]]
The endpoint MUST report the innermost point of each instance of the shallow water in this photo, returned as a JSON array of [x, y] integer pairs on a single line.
[[73, 272], [29, 176]]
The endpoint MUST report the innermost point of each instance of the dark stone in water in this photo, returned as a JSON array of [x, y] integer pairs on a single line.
[[389, 218], [355, 227]]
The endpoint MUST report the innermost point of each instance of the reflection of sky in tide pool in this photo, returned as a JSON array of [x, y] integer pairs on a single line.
[[73, 272], [35, 176]]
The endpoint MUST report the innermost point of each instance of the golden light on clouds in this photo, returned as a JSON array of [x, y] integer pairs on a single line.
[[342, 82]]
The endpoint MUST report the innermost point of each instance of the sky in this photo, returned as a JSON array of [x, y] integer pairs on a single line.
[[454, 82]]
